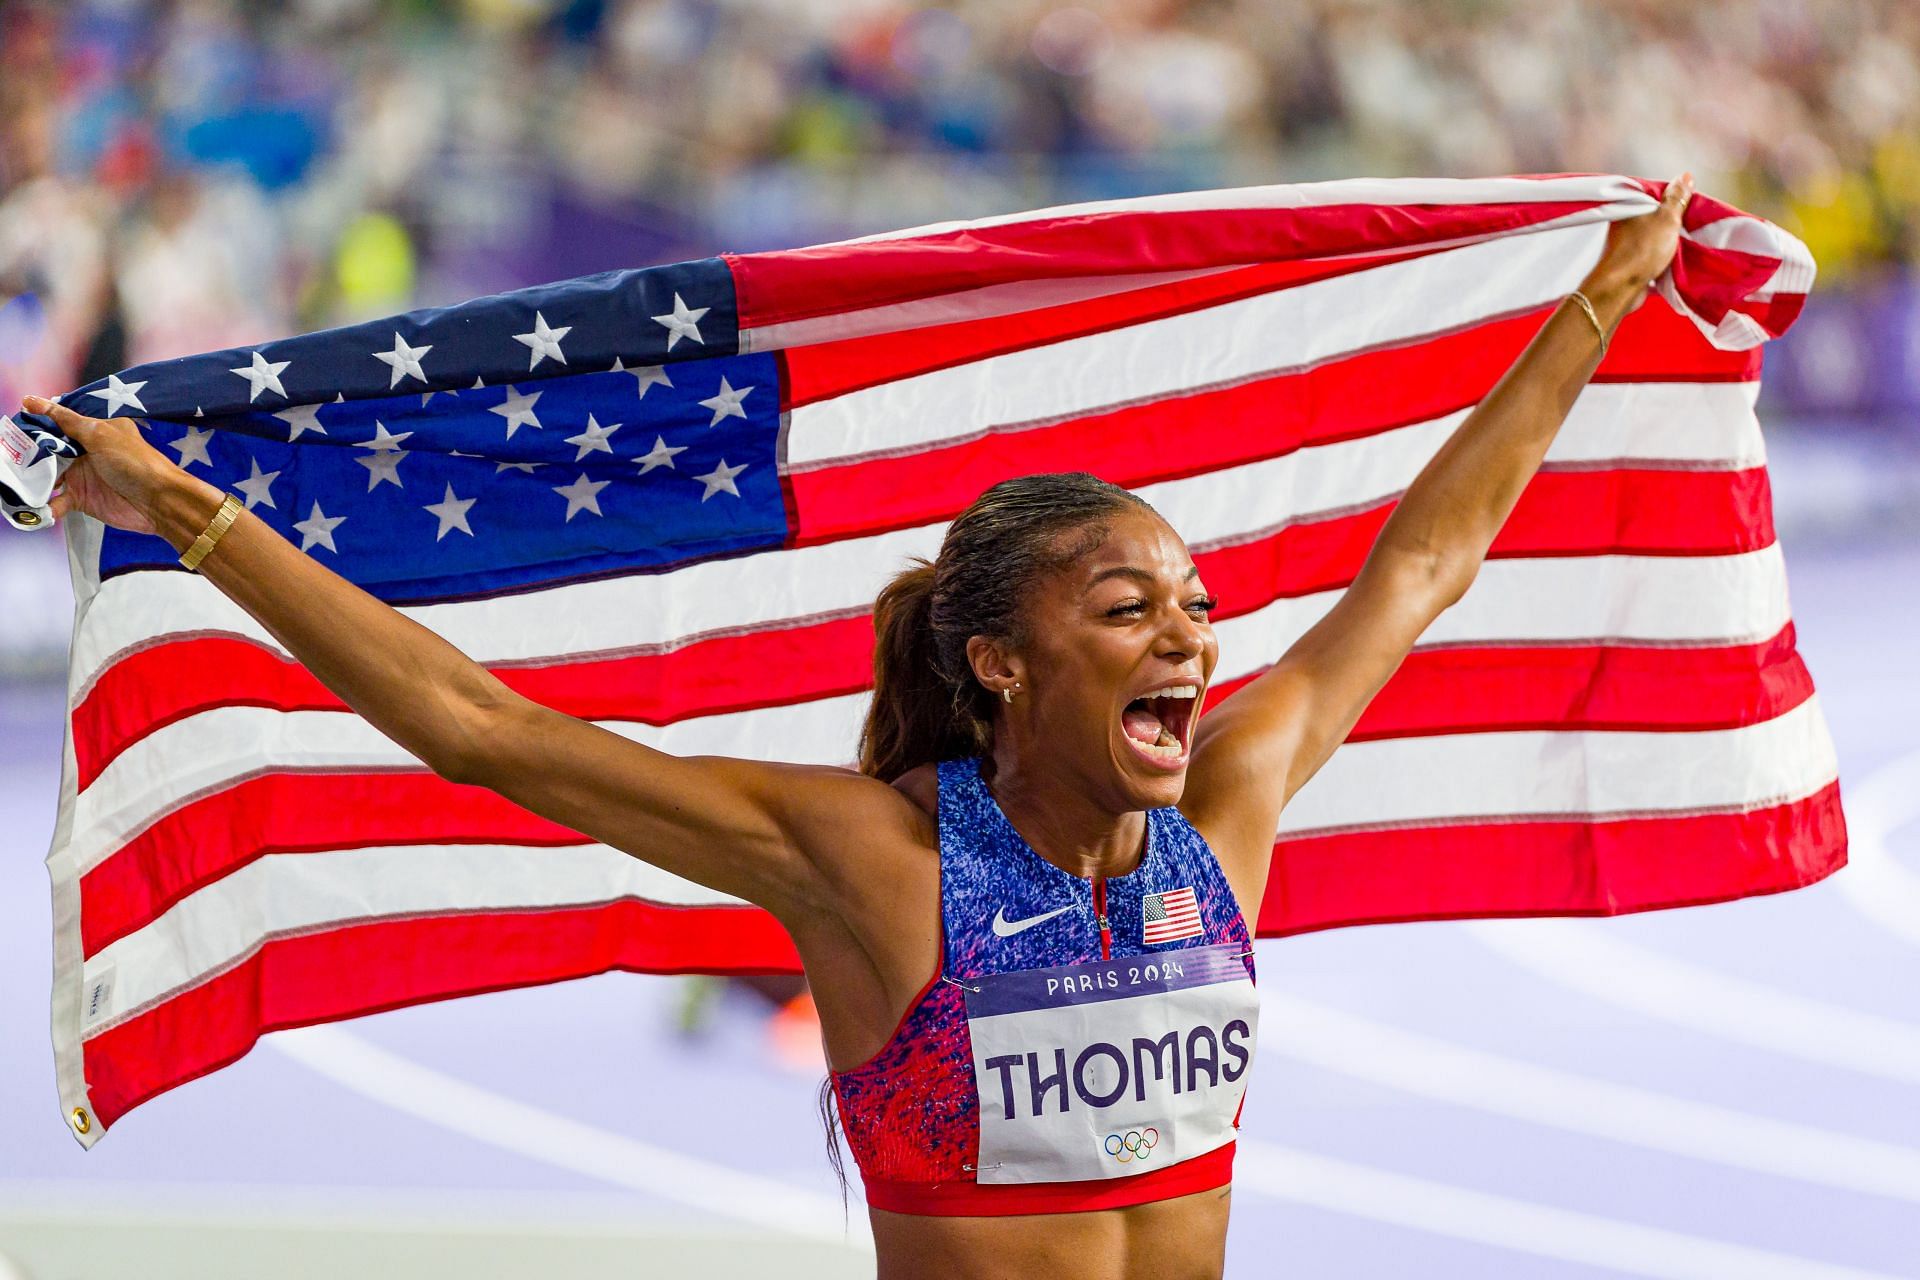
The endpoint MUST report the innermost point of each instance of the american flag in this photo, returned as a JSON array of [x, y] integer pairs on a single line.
[[1169, 917], [664, 499]]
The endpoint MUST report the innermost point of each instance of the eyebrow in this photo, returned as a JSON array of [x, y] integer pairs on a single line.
[[1139, 575]]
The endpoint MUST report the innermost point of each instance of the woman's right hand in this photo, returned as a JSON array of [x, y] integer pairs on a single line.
[[118, 477]]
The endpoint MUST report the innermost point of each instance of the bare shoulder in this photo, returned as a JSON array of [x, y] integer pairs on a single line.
[[921, 785]]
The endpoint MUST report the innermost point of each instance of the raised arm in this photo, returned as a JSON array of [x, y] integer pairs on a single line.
[[1258, 748], [735, 825]]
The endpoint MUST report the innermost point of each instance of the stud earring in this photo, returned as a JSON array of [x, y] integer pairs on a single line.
[[1006, 695]]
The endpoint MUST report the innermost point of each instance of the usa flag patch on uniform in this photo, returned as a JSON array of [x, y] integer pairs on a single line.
[[1169, 917]]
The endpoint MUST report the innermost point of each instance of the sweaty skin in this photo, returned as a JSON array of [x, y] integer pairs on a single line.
[[850, 864]]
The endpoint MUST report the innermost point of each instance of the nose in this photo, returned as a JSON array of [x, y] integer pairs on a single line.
[[1183, 637]]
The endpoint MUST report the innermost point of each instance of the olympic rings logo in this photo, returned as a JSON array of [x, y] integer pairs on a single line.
[[1134, 1144]]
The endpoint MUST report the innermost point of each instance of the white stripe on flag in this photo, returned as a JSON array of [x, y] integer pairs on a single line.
[[1554, 773]]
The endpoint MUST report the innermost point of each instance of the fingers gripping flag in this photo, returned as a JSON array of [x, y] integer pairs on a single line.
[[664, 500]]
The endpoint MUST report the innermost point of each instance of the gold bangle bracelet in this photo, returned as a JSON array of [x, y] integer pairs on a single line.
[[223, 519], [1586, 305]]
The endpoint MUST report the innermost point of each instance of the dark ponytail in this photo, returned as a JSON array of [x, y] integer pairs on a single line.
[[927, 706]]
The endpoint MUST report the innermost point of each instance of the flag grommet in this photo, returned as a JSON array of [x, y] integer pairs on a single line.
[[28, 518], [81, 1121]]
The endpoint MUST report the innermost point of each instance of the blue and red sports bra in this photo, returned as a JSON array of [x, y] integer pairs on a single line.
[[1083, 1045]]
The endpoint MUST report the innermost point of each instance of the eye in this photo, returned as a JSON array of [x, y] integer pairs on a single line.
[[1130, 608]]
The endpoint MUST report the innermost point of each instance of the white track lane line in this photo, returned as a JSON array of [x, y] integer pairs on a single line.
[[1262, 1168], [1517, 1225], [1875, 884], [500, 1121], [1581, 956], [1356, 1047]]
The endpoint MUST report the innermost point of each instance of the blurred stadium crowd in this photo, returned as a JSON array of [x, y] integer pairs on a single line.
[[181, 176]]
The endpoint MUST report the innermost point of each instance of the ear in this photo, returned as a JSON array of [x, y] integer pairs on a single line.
[[995, 665]]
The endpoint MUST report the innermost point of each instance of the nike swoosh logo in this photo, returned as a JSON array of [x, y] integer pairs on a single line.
[[1005, 928]]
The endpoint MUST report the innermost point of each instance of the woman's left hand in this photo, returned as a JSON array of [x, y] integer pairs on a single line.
[[1639, 249]]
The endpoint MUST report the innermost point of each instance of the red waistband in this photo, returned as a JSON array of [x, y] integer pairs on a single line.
[[993, 1199]]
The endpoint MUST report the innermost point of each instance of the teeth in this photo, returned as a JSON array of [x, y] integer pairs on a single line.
[[1172, 751], [1174, 691]]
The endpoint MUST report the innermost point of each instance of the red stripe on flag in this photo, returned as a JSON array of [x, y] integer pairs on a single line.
[[798, 284], [1714, 280], [1551, 867], [218, 834], [1139, 444], [366, 968], [1439, 691], [142, 692], [1559, 513], [1574, 687]]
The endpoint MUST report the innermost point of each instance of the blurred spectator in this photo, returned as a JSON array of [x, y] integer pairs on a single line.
[[201, 173]]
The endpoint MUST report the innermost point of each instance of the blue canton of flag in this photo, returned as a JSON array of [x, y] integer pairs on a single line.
[[597, 426]]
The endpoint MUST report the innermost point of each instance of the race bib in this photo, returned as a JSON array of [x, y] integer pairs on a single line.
[[1111, 1068]]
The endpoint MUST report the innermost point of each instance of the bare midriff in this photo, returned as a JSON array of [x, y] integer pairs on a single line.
[[1179, 1239]]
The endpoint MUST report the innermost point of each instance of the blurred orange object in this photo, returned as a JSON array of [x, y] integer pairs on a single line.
[[794, 1035]]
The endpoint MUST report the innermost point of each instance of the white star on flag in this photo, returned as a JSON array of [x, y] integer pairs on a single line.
[[582, 495], [192, 447], [262, 376], [662, 455], [301, 419], [318, 528], [517, 409], [383, 466], [452, 513], [119, 394], [404, 360], [384, 440], [645, 376], [258, 487], [682, 323], [544, 341], [527, 467], [593, 438], [725, 403], [721, 477]]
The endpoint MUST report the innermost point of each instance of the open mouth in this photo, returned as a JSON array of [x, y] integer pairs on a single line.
[[1157, 725]]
